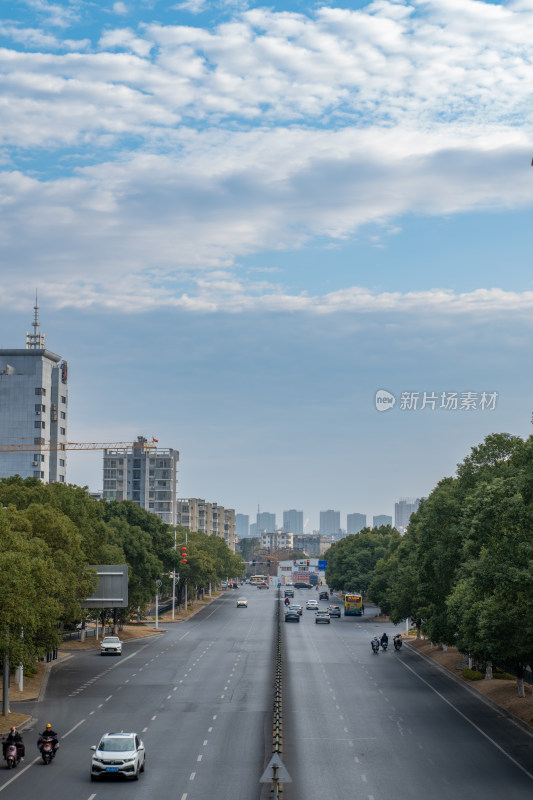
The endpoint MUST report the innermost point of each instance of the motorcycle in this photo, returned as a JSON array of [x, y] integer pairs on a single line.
[[375, 646], [46, 747], [397, 643], [384, 645], [12, 756]]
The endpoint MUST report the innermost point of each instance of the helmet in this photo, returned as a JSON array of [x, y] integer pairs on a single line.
[[48, 725], [13, 729]]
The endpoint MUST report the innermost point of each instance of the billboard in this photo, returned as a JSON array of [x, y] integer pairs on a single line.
[[112, 588]]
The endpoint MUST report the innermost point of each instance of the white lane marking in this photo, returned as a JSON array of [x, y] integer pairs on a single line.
[[192, 776], [154, 717], [169, 697], [179, 640], [209, 730], [100, 706], [91, 713], [467, 719], [108, 698], [205, 742], [92, 796], [77, 725], [199, 758], [175, 688], [144, 730], [184, 796], [127, 681], [215, 716], [22, 771], [221, 696], [363, 778]]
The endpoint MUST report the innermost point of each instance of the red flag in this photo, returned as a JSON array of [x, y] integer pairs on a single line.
[[155, 440]]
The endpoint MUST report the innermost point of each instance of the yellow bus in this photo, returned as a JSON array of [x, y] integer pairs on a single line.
[[353, 605], [259, 579]]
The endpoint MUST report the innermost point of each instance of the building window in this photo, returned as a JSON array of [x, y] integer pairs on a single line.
[[39, 423], [61, 462], [37, 474], [38, 457], [63, 431], [61, 479], [63, 398], [40, 390], [39, 408], [62, 414]]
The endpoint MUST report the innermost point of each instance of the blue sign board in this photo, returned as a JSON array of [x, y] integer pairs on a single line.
[[322, 565]]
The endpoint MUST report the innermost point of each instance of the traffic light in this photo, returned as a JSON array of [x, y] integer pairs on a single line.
[[253, 563], [184, 554], [294, 562], [268, 563], [308, 562]]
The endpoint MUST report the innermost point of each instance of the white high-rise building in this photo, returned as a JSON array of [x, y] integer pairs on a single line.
[[403, 511], [330, 523], [355, 523], [293, 521], [146, 474], [33, 410]]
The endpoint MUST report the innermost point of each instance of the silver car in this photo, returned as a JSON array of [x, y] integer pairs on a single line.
[[111, 645], [118, 754]]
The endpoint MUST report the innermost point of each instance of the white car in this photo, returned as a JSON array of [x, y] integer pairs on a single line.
[[242, 602], [312, 604], [111, 645], [118, 754]]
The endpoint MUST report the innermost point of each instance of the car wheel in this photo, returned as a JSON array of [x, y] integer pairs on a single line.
[[136, 776], [143, 766], [93, 777]]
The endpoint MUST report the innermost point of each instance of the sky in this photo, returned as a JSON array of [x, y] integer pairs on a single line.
[[245, 221]]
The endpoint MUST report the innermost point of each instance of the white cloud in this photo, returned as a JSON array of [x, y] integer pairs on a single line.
[[206, 145], [120, 8]]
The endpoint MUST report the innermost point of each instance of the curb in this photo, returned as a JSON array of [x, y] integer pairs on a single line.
[[511, 717]]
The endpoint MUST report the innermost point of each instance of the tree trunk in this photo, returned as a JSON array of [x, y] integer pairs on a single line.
[[418, 629], [488, 671], [445, 648], [469, 662], [520, 682]]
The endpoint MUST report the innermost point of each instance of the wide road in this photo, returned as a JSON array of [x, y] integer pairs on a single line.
[[198, 695], [373, 727]]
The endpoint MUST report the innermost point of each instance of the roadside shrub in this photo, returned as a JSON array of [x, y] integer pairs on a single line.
[[503, 676], [472, 674]]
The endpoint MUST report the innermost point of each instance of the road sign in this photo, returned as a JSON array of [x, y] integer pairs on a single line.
[[322, 565], [276, 770]]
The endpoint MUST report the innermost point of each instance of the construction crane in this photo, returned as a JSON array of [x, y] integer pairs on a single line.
[[51, 446]]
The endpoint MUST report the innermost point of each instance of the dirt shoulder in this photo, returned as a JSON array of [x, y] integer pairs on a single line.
[[502, 693]]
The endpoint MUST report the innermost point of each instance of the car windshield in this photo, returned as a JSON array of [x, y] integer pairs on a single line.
[[117, 745], [111, 640]]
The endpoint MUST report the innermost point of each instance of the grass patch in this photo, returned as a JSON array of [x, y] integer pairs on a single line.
[[472, 674]]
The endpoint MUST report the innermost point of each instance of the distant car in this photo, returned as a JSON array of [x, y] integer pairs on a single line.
[[297, 608], [302, 586], [118, 754], [242, 602], [323, 596], [334, 611], [322, 616], [292, 615], [111, 645], [289, 592], [262, 585], [312, 605]]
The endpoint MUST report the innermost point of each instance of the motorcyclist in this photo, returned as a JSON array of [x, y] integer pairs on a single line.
[[375, 643], [14, 737], [384, 639], [397, 640], [287, 601], [48, 733]]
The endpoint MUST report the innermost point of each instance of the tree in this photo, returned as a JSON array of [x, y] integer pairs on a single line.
[[352, 560]]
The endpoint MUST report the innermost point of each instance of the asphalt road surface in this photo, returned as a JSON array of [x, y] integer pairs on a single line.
[[199, 696], [375, 727], [358, 726]]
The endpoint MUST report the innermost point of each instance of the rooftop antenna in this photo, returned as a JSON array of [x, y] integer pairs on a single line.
[[35, 340]]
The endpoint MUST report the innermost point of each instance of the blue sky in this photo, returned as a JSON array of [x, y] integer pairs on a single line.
[[244, 220]]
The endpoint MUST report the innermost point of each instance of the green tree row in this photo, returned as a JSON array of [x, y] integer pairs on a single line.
[[50, 534], [464, 569], [352, 560]]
